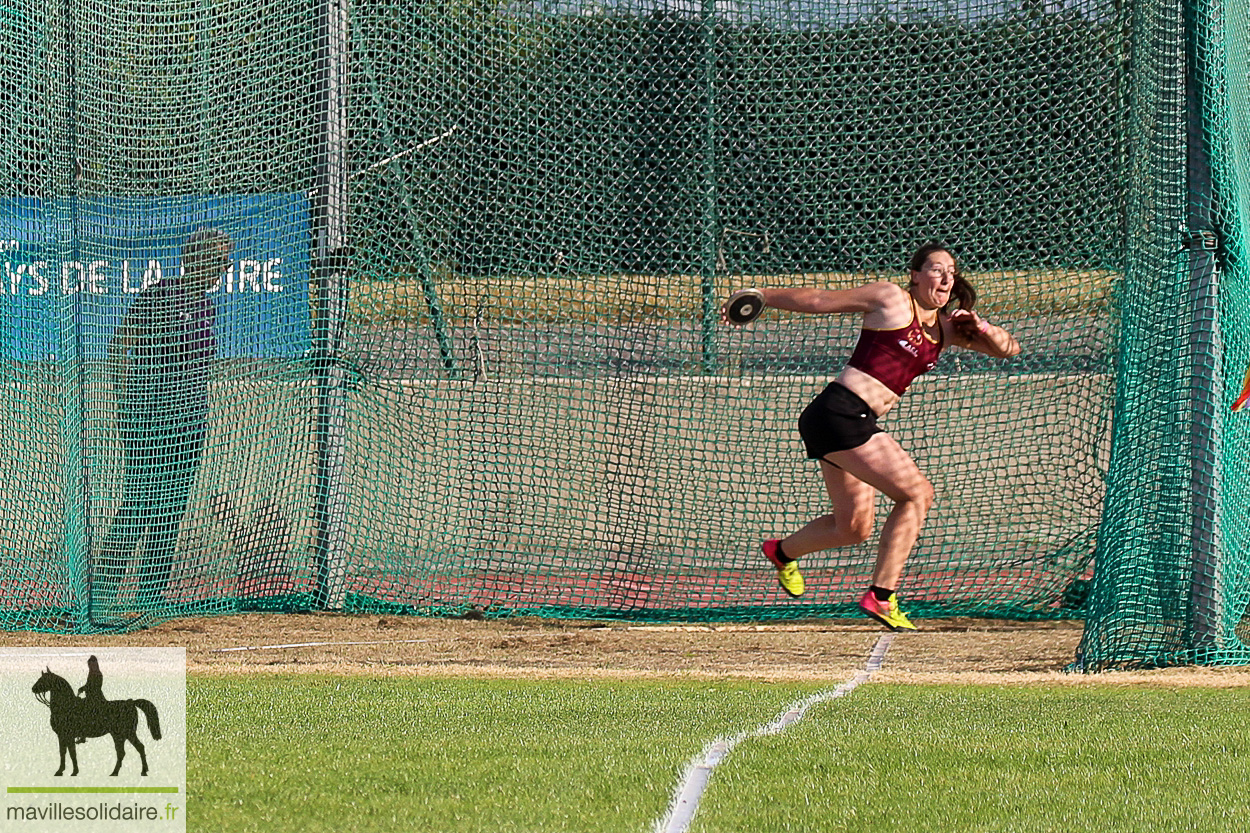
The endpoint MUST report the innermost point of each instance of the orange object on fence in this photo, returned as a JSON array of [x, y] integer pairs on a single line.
[[1245, 393]]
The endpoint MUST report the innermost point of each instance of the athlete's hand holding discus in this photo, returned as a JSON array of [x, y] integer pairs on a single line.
[[743, 307]]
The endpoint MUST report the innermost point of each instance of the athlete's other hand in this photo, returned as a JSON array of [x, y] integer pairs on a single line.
[[968, 324]]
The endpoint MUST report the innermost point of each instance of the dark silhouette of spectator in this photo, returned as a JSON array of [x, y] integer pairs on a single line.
[[161, 356]]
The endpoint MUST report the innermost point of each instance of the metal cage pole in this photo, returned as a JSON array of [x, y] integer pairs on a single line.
[[708, 235], [1206, 603], [77, 520], [329, 277]]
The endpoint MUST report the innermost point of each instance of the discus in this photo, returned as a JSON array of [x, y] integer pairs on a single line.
[[744, 306]]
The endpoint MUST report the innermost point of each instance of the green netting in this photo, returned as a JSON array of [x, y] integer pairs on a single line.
[[467, 352], [1174, 556], [585, 185]]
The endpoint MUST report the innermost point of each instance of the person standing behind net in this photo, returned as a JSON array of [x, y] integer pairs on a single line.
[[903, 332], [161, 356]]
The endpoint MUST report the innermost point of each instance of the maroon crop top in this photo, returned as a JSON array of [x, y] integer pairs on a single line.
[[896, 357]]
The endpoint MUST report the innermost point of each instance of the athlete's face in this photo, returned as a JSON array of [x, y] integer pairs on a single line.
[[932, 284]]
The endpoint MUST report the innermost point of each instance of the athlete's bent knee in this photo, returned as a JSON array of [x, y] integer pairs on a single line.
[[921, 495], [860, 527], [927, 495]]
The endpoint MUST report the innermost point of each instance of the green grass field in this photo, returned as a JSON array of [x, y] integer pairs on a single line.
[[354, 753]]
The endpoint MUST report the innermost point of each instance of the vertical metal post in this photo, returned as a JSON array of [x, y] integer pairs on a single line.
[[77, 521], [708, 230], [1207, 604], [330, 288]]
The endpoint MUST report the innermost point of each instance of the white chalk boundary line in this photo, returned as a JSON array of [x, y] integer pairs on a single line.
[[316, 644], [699, 771]]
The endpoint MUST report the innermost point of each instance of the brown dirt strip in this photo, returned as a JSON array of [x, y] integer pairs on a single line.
[[943, 651]]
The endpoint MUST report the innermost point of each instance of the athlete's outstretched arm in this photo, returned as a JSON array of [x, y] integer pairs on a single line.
[[866, 298]]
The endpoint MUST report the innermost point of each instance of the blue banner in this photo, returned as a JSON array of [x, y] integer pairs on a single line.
[[71, 270]]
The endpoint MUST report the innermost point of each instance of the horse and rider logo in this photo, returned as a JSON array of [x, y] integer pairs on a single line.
[[75, 717]]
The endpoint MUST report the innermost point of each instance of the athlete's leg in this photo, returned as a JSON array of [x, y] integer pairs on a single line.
[[850, 522], [883, 464]]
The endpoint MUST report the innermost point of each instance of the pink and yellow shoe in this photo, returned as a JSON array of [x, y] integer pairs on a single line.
[[788, 575], [886, 612]]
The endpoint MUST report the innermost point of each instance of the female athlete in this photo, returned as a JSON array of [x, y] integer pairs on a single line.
[[903, 332]]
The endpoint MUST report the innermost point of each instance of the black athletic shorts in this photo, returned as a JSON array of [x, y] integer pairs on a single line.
[[836, 420]]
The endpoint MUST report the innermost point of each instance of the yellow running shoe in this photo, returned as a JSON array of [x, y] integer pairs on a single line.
[[887, 612], [788, 575]]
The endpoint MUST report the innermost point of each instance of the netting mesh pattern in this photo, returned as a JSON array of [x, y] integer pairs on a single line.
[[549, 203], [466, 352], [163, 446], [1172, 584]]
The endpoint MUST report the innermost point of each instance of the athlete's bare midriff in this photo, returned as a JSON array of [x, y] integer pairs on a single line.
[[880, 398]]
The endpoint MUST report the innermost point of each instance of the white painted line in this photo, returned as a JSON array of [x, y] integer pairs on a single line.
[[316, 644], [699, 771], [440, 137]]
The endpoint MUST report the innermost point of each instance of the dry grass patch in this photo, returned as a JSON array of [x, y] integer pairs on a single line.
[[636, 298]]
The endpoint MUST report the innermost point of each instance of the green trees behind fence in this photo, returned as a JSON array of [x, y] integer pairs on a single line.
[[591, 142]]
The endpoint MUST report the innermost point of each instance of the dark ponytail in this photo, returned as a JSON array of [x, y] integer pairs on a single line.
[[962, 292]]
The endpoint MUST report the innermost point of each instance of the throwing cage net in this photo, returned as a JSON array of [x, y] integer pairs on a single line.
[[463, 353]]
